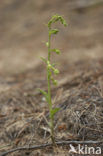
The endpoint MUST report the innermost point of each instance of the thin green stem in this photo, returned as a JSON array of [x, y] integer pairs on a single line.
[[49, 46], [49, 92]]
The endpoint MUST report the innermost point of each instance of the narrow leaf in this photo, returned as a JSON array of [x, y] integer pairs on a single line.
[[54, 64], [43, 59], [54, 111], [54, 31], [44, 93]]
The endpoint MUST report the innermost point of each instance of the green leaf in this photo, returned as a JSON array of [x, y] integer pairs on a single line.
[[57, 51], [54, 111], [43, 59], [44, 93], [54, 31], [54, 64]]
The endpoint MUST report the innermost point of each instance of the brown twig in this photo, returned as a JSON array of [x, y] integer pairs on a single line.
[[60, 143]]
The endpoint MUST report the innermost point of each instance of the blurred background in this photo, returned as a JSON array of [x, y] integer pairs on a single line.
[[23, 32]]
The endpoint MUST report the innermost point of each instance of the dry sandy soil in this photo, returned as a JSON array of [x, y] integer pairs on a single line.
[[79, 94]]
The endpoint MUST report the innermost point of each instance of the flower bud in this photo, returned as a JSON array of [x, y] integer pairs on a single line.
[[49, 65], [47, 44], [55, 82], [56, 71]]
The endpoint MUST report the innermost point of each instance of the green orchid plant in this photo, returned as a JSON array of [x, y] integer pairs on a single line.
[[51, 69]]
